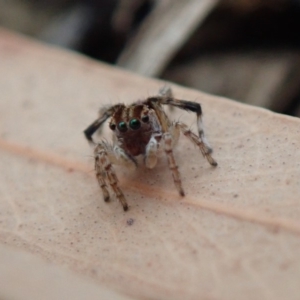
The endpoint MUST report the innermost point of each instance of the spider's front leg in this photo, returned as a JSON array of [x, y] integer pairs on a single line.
[[105, 172]]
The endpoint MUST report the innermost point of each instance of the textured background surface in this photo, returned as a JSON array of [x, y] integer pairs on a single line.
[[235, 235]]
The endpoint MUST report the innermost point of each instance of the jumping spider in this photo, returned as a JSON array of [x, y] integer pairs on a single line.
[[143, 128]]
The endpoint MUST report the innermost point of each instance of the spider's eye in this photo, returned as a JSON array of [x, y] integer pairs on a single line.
[[135, 124], [122, 126], [145, 119], [112, 126]]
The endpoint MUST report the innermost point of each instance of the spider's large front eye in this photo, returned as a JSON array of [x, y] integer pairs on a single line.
[[135, 124], [122, 126]]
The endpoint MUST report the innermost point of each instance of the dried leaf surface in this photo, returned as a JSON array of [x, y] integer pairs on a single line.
[[24, 276], [236, 234]]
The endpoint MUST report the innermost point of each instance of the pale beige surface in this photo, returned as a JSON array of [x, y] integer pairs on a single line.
[[24, 276], [236, 234]]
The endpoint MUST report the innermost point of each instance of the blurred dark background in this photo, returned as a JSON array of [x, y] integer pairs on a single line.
[[247, 50]]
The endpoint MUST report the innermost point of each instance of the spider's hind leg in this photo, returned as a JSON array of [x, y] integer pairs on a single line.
[[195, 107], [198, 141]]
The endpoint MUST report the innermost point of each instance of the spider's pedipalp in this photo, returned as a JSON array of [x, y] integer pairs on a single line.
[[151, 153], [120, 157]]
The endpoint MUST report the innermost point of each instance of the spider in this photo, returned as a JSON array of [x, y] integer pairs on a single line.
[[143, 128]]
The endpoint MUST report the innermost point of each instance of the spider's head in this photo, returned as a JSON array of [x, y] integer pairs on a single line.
[[130, 120], [133, 126]]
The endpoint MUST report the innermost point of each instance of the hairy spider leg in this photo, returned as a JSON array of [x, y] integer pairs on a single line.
[[90, 130], [105, 171], [168, 144], [206, 151], [167, 138], [201, 142]]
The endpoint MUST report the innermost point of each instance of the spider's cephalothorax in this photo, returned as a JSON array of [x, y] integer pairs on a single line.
[[141, 129], [133, 127]]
